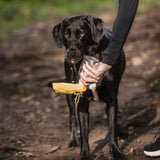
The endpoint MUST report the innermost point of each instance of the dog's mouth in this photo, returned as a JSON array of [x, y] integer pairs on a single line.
[[73, 59]]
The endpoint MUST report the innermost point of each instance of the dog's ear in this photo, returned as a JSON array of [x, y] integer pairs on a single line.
[[97, 27], [57, 33]]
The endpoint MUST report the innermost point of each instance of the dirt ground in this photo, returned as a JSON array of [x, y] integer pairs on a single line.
[[34, 120]]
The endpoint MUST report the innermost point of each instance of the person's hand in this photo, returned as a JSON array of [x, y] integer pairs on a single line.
[[93, 74]]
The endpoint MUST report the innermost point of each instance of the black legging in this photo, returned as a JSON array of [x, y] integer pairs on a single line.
[[125, 16]]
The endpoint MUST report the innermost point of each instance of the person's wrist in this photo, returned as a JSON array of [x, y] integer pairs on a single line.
[[105, 67], [101, 68]]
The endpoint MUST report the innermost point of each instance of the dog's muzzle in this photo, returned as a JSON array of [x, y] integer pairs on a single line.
[[73, 57]]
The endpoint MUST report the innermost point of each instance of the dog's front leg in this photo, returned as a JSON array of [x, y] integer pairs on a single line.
[[83, 113], [112, 108], [73, 122]]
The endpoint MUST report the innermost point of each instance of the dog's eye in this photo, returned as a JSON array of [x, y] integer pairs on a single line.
[[82, 34], [66, 35]]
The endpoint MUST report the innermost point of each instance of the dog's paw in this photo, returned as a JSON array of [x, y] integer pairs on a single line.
[[122, 133], [85, 155], [117, 155], [73, 144]]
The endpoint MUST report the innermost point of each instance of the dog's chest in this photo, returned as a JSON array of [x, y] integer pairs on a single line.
[[92, 87]]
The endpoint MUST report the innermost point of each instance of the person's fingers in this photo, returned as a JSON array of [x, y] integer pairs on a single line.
[[96, 65], [95, 70], [86, 84], [89, 72], [93, 74], [87, 80], [91, 69]]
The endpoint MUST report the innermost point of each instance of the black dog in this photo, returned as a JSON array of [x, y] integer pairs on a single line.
[[86, 35]]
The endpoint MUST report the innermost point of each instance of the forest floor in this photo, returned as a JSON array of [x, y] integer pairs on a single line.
[[34, 121]]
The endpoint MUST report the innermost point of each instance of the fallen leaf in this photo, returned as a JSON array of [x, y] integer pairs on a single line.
[[155, 102], [26, 154], [131, 151], [122, 141], [53, 149]]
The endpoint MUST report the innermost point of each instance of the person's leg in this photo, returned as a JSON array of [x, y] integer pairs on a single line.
[[153, 149]]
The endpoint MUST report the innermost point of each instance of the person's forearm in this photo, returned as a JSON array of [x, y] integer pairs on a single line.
[[125, 16]]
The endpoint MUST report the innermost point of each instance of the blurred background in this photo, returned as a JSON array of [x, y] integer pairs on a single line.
[[17, 13], [34, 121]]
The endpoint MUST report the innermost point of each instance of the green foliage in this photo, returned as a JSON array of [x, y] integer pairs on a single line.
[[19, 13], [145, 5]]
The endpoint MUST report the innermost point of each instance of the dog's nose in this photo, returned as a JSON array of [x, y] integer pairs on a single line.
[[73, 49], [71, 54]]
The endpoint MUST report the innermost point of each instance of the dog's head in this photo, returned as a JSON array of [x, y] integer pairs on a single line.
[[77, 34]]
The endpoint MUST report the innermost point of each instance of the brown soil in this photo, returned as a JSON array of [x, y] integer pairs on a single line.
[[34, 120]]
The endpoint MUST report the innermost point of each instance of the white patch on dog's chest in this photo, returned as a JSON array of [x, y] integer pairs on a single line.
[[95, 94]]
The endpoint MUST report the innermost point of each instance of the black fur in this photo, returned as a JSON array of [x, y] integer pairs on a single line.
[[87, 35]]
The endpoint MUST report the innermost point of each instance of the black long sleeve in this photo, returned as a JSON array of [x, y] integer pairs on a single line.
[[125, 16]]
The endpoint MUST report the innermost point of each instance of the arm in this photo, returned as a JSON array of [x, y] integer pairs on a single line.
[[126, 13], [125, 16]]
